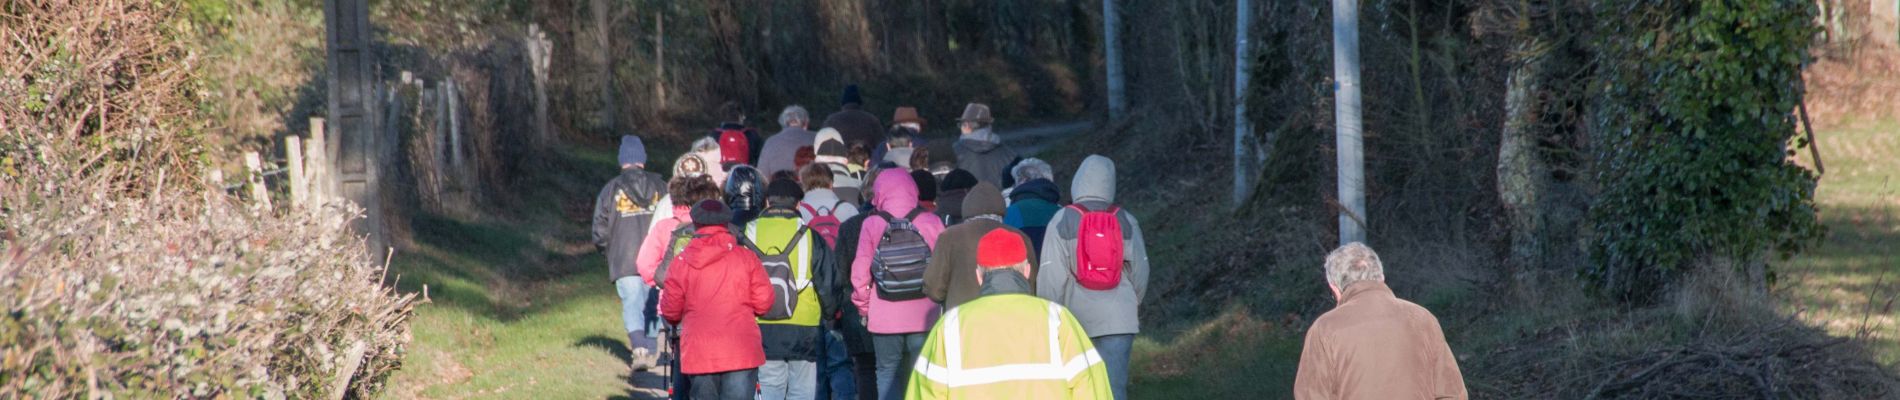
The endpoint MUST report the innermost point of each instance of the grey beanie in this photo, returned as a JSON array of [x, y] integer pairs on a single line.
[[632, 151]]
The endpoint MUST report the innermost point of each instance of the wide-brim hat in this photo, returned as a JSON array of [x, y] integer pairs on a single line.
[[906, 114], [976, 112]]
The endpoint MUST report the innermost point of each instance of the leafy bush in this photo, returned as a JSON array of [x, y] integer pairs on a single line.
[[1694, 120], [120, 274]]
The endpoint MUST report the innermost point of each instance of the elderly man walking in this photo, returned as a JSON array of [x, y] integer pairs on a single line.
[[781, 149], [1008, 343], [1374, 345]]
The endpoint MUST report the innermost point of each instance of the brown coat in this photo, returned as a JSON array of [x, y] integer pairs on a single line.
[[1376, 346], [951, 277]]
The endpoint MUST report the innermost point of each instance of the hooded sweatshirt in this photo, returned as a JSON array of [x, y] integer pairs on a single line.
[[951, 278], [856, 126], [622, 214], [715, 294], [894, 193], [1102, 312], [982, 153]]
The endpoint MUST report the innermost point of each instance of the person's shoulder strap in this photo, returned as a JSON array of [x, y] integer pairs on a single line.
[[914, 212]]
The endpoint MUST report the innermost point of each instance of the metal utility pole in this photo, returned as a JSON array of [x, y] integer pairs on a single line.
[[1351, 159], [355, 144], [1112, 51], [1243, 157]]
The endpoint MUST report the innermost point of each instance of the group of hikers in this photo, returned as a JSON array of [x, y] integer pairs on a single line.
[[851, 263]]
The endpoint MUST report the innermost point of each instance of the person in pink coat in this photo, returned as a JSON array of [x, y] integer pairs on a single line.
[[898, 328]]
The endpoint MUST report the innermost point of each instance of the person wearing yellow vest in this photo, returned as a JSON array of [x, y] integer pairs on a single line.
[[800, 268], [1008, 343]]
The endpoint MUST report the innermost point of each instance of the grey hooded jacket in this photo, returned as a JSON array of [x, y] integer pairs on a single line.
[[983, 154], [1101, 312]]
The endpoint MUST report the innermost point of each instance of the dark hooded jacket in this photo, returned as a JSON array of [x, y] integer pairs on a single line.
[[622, 213], [856, 126], [983, 154], [1031, 206], [951, 277]]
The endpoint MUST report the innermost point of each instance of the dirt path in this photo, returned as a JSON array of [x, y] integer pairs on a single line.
[[1029, 141]]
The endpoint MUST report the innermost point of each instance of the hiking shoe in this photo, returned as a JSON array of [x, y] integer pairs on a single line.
[[642, 359]]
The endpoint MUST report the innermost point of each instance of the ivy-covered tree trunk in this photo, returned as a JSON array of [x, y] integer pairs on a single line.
[[1694, 104], [1520, 175]]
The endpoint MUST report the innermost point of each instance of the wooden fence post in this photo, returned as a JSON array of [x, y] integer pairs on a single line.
[[317, 164], [254, 177], [299, 184]]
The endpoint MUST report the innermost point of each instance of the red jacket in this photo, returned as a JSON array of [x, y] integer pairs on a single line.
[[715, 291]]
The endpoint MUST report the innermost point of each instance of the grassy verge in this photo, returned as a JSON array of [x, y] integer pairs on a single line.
[[520, 303], [1848, 284]]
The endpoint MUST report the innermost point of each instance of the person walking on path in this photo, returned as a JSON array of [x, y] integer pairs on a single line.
[[951, 278], [831, 152], [951, 191], [745, 193], [926, 192], [857, 126], [823, 212], [738, 143], [1007, 344], [782, 148], [980, 150], [851, 326], [897, 325], [623, 213], [1034, 201], [1095, 262], [1374, 345], [714, 293], [805, 290]]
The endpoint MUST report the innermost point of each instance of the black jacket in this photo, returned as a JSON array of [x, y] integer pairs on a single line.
[[622, 213], [856, 337]]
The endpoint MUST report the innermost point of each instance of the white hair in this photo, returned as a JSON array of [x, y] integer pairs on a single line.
[[793, 113], [1352, 263], [705, 144], [1031, 169]]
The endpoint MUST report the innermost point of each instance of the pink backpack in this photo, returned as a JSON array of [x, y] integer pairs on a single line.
[[825, 222], [1098, 249]]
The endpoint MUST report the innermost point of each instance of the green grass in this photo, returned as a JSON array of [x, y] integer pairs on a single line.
[[1849, 282], [520, 305]]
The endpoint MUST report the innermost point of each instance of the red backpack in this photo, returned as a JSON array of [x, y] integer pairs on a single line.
[[733, 147], [1098, 249], [825, 221]]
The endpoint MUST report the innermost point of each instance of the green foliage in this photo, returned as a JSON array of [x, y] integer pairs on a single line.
[[1694, 122]]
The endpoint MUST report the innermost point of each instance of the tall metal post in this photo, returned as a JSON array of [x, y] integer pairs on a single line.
[[1243, 157], [354, 102], [1112, 51], [1351, 159]]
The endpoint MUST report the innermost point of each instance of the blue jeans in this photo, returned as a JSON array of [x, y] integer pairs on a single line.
[[1115, 350], [836, 381], [729, 385], [633, 302], [895, 355]]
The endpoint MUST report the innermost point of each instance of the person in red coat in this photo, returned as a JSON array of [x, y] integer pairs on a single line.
[[715, 292]]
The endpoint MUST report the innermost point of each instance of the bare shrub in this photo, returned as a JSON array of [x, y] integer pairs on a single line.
[[121, 274]]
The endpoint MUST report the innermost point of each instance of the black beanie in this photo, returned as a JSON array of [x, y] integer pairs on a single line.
[[926, 185], [958, 179], [711, 213], [850, 96]]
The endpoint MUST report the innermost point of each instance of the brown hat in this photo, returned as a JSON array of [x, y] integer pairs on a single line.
[[906, 114], [976, 112]]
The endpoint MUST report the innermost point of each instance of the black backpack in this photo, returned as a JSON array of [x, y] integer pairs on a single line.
[[902, 255], [779, 269]]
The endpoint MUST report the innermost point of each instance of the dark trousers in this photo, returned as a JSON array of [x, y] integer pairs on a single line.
[[730, 385], [865, 367], [836, 378]]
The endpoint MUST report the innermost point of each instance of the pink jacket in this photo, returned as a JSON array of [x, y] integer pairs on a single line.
[[896, 194], [658, 236]]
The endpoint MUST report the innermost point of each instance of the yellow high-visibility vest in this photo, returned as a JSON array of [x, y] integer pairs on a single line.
[[1008, 346]]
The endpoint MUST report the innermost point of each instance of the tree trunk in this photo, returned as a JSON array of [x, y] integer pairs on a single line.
[[1520, 175], [604, 60], [1243, 157], [1347, 137]]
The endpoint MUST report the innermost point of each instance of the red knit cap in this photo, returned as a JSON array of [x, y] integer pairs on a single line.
[[1000, 248]]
